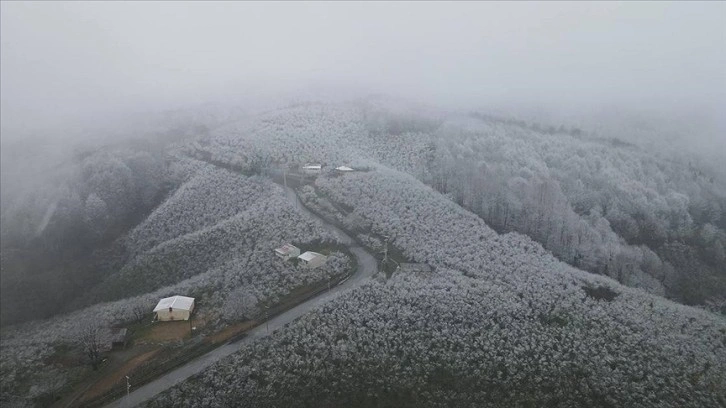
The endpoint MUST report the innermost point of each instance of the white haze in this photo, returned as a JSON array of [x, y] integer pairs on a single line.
[[67, 64]]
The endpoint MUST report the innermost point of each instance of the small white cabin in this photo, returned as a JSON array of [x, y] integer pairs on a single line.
[[174, 308], [312, 168], [312, 259], [287, 251], [344, 169]]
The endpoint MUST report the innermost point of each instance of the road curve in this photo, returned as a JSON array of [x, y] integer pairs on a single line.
[[367, 267]]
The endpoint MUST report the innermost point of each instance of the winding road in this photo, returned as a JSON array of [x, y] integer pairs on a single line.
[[367, 267]]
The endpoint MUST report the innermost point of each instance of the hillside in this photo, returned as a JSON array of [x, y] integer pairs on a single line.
[[553, 253], [648, 220], [500, 322], [212, 239]]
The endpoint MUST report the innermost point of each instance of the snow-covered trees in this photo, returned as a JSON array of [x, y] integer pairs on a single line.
[[450, 340], [240, 304], [95, 214], [213, 238], [217, 219], [499, 321], [573, 194], [61, 226]]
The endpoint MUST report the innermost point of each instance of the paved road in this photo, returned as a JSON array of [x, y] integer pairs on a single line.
[[367, 267]]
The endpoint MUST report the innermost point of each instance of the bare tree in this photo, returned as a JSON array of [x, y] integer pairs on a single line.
[[90, 341], [140, 310]]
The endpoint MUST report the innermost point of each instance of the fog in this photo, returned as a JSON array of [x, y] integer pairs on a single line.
[[70, 63], [543, 179]]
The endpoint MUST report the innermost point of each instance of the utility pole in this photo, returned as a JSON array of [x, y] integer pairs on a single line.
[[128, 389]]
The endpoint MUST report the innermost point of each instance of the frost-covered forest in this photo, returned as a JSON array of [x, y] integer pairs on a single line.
[[647, 219], [451, 340], [562, 259], [500, 322], [212, 237], [362, 204], [603, 205]]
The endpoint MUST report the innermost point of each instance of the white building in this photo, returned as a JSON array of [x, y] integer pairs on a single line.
[[312, 259], [344, 169], [287, 251], [312, 168], [174, 308]]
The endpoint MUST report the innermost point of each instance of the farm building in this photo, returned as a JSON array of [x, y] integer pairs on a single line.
[[344, 169], [287, 251], [312, 259], [312, 168], [174, 308], [112, 338]]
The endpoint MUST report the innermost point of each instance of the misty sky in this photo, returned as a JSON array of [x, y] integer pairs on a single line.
[[77, 60]]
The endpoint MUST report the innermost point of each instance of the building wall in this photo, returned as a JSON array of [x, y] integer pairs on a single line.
[[292, 254], [295, 253], [175, 314], [315, 262]]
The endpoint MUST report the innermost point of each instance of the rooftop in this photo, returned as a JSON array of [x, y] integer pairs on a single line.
[[176, 302], [308, 256], [286, 249]]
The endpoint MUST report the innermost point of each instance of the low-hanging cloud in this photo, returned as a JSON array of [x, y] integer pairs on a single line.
[[63, 61]]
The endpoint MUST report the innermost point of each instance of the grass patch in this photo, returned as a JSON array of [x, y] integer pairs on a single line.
[[152, 369], [140, 329]]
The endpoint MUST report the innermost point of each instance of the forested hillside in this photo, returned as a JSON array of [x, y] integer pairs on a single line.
[[561, 259], [66, 204], [646, 219], [212, 239], [499, 322], [640, 210], [59, 234], [450, 340]]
